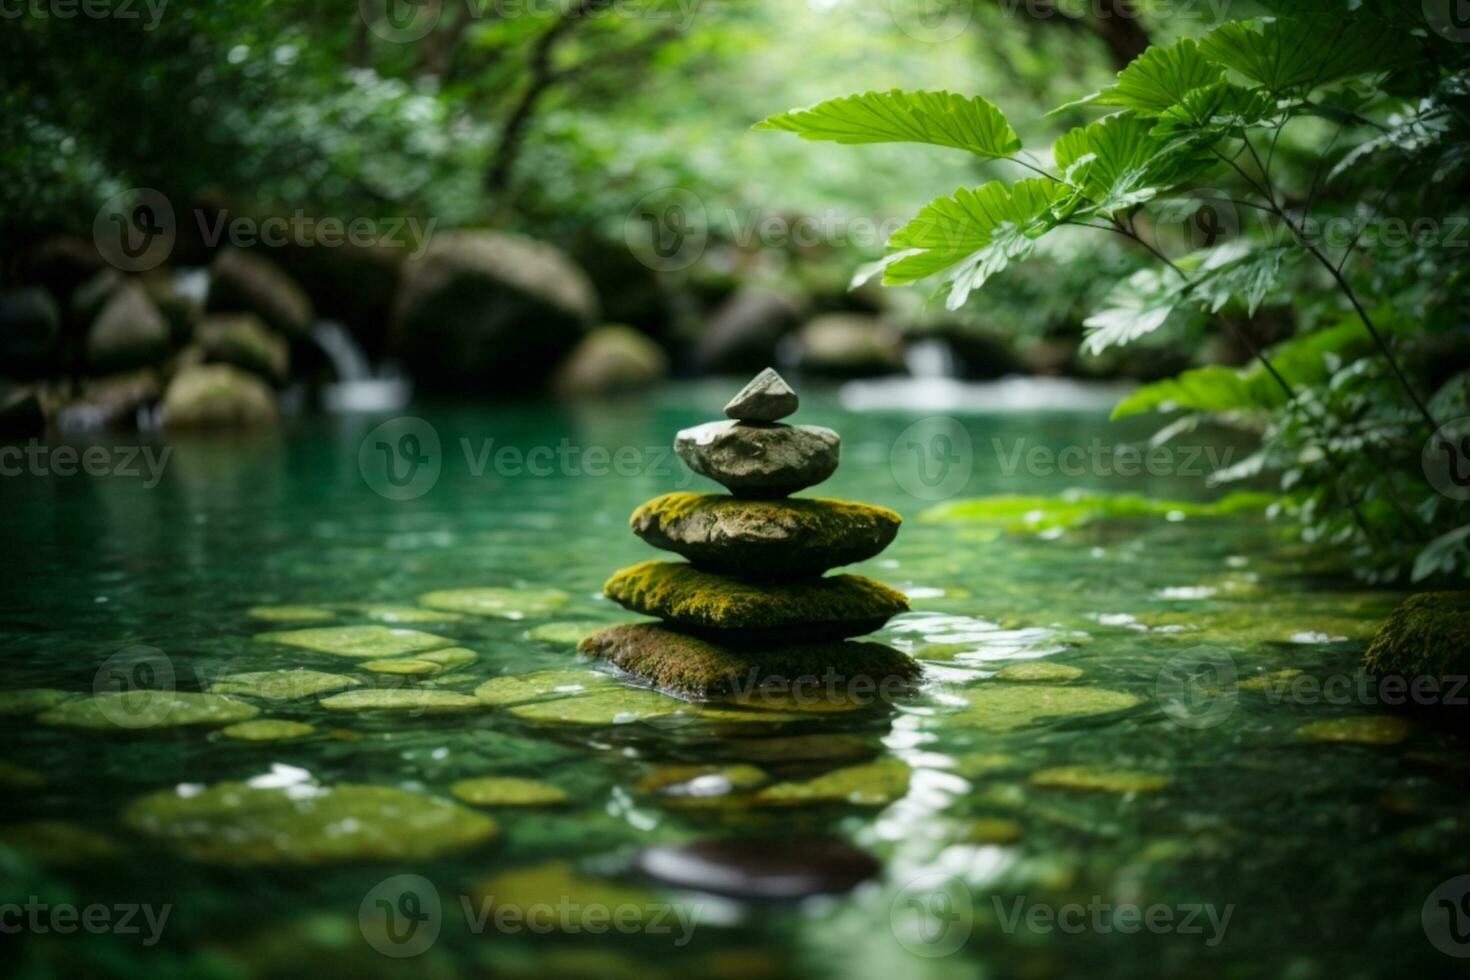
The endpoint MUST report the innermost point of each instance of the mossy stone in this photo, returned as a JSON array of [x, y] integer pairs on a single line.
[[770, 539], [290, 614], [1362, 729], [702, 780], [565, 634], [1038, 670], [802, 748], [614, 705], [398, 615], [1001, 707], [540, 685], [19, 777], [400, 699], [28, 701], [691, 666], [1099, 779], [267, 730], [555, 896], [283, 685], [135, 710], [61, 842], [507, 791], [832, 607], [423, 664], [1428, 635], [875, 783], [241, 825], [1277, 682], [358, 641], [500, 603]]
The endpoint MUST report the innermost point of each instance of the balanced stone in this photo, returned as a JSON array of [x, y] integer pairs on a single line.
[[760, 459], [765, 538], [689, 666], [753, 612], [768, 398]]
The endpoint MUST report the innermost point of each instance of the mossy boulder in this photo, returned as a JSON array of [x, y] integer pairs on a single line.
[[240, 825], [135, 710], [742, 611], [765, 538], [358, 641], [689, 666], [242, 282], [1428, 635], [217, 396], [128, 333], [245, 342], [610, 360]]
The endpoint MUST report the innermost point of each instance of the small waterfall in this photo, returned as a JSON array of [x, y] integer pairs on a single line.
[[347, 358], [929, 359], [356, 389]]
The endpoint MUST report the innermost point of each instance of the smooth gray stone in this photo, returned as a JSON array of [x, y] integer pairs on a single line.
[[768, 398], [760, 459]]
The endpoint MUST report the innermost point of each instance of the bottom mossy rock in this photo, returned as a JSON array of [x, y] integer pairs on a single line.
[[1428, 635], [828, 608], [688, 666]]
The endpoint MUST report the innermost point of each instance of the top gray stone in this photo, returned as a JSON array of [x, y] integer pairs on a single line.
[[768, 398]]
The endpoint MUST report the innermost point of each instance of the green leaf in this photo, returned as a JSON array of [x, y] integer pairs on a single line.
[[1207, 389], [1072, 509], [937, 118], [1237, 271], [1302, 53], [1160, 78], [1214, 111], [1136, 306], [1118, 163], [982, 230]]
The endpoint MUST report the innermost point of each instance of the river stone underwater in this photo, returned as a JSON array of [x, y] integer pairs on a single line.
[[1050, 774]]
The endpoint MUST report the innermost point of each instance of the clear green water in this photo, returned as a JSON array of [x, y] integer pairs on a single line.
[[1322, 854]]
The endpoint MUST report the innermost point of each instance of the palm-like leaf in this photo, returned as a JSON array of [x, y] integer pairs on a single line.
[[1301, 53], [1118, 162], [1160, 78], [937, 118]]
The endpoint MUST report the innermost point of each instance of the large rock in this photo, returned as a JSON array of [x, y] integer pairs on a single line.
[[490, 312], [766, 398], [743, 334], [850, 345], [217, 396], [741, 611], [30, 330], [609, 360], [247, 343], [128, 333], [687, 666], [242, 282], [1427, 636], [765, 538], [760, 459]]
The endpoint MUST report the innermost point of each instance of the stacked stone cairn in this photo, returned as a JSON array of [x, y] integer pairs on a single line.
[[752, 609]]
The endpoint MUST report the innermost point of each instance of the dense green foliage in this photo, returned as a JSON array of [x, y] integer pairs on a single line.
[[1310, 165]]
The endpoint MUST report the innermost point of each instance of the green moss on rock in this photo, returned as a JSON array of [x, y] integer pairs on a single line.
[[765, 538], [836, 606], [1427, 635], [689, 666]]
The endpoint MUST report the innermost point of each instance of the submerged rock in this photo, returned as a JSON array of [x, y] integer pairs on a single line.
[[217, 396], [400, 699], [27, 701], [358, 641], [1363, 729], [873, 784], [130, 710], [610, 360], [833, 607], [689, 666], [765, 538], [1038, 670], [555, 897], [760, 868], [423, 664], [501, 603], [760, 459], [767, 398], [1001, 707], [282, 685], [701, 780], [540, 685], [565, 634], [1427, 636], [290, 614], [507, 791], [1100, 779], [267, 730], [242, 825], [613, 705], [60, 842]]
